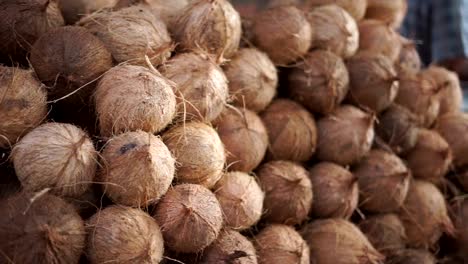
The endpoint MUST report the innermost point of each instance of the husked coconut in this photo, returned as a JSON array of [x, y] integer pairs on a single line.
[[379, 38], [356, 8], [450, 91], [453, 127], [385, 232], [391, 12], [73, 10], [230, 247], [411, 256], [409, 62]]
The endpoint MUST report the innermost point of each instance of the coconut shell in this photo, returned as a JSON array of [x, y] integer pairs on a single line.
[[283, 33], [409, 62], [121, 234], [56, 156], [454, 129], [190, 217], [385, 232], [281, 244], [40, 228], [411, 256], [356, 8], [291, 131], [320, 82], [288, 192], [230, 248], [450, 91], [73, 10], [130, 98], [460, 220], [252, 79], [378, 37], [335, 190], [334, 30], [345, 136], [390, 12], [199, 153], [244, 137], [337, 241]]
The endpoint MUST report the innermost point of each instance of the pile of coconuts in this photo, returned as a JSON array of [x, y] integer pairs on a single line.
[[151, 131]]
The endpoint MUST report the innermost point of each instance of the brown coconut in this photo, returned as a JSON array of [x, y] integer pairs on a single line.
[[450, 91], [424, 215], [275, 3], [55, 156], [373, 81], [199, 153], [283, 33], [345, 136], [385, 232], [291, 131], [201, 86], [383, 182], [334, 30], [320, 81], [411, 256], [379, 38], [356, 8], [460, 220], [122, 234], [230, 248], [244, 137], [281, 244], [453, 127], [335, 190], [409, 62], [40, 228], [241, 199], [288, 192], [462, 178], [390, 12], [130, 98], [337, 241], [190, 217], [73, 10], [252, 79]]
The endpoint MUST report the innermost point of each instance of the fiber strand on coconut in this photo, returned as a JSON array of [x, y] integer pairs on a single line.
[[230, 247], [73, 10], [356, 8]]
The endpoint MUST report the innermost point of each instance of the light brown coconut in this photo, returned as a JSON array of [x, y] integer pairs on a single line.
[[130, 98], [244, 137], [424, 215], [283, 33], [335, 190], [334, 30], [199, 153], [385, 232], [291, 131], [450, 91], [252, 79], [460, 220], [337, 241], [55, 156], [288, 192], [356, 8], [391, 12], [201, 86], [22, 105], [40, 228], [409, 62], [230, 248], [345, 136], [73, 10], [281, 244], [320, 81], [383, 182], [453, 127], [379, 38], [411, 256], [241, 199], [190, 218], [121, 234]]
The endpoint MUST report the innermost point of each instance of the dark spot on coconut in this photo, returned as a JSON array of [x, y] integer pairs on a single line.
[[9, 104], [125, 148]]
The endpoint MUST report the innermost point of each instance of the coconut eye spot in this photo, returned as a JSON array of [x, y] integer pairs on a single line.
[[127, 147]]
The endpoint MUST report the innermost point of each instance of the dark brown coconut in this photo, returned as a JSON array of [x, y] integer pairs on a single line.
[[288, 192], [345, 136], [56, 156], [335, 190], [121, 234], [385, 232], [337, 241], [281, 244], [244, 137], [356, 8], [283, 33], [291, 131], [40, 228], [190, 217], [199, 153], [409, 62], [450, 91], [379, 38], [460, 219], [73, 10], [411, 256], [454, 129], [252, 79], [390, 12], [320, 81], [230, 248], [130, 98]]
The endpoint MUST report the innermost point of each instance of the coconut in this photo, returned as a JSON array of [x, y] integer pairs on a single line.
[[291, 131], [390, 12], [450, 95], [55, 156], [252, 79], [334, 30], [120, 234], [202, 88], [283, 33], [379, 38], [412, 256], [374, 81], [73, 10], [409, 62], [385, 232], [462, 178], [335, 190], [356, 8], [345, 136], [244, 137], [320, 81], [275, 3], [454, 129], [199, 153], [130, 98], [338, 241], [460, 219], [424, 215], [240, 198], [190, 217], [40, 228], [281, 244], [383, 182], [288, 192], [230, 248]]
